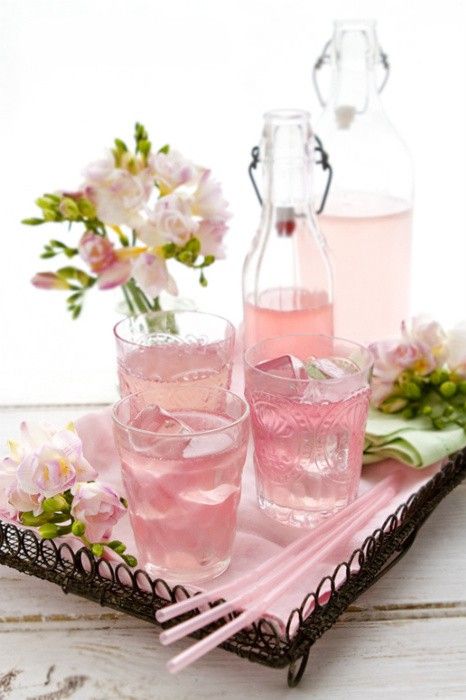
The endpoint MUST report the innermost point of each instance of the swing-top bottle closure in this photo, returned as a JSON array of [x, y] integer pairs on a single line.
[[354, 54], [286, 152]]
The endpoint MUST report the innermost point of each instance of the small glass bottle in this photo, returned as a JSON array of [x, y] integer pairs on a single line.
[[287, 286], [368, 214]]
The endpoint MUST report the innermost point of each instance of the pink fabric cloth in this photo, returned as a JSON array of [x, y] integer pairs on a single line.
[[258, 537]]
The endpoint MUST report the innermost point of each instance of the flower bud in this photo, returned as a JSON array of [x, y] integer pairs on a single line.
[[50, 215], [426, 410], [68, 209], [54, 503], [440, 423], [411, 390], [439, 376], [97, 549], [130, 560], [448, 389], [78, 528], [48, 531], [393, 404], [86, 208], [46, 203]]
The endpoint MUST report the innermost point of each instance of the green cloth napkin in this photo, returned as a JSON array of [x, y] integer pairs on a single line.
[[413, 442]]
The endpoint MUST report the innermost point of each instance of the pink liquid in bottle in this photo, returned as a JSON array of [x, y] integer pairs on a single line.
[[287, 312]]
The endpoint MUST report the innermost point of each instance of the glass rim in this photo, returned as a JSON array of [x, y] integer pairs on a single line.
[[333, 380], [162, 312], [244, 415], [287, 115]]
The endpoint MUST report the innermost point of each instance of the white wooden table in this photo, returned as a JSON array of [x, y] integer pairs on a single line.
[[406, 637]]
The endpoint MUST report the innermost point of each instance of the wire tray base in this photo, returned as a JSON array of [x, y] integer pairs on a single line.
[[134, 593]]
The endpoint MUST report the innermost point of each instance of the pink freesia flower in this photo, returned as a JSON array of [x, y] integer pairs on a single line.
[[428, 335], [22, 502], [117, 194], [98, 506], [456, 347], [208, 201], [210, 235], [170, 221], [102, 258], [171, 170], [14, 500], [393, 357], [49, 280], [152, 276], [46, 461]]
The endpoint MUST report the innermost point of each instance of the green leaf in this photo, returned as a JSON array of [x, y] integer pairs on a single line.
[[33, 221], [75, 312], [74, 297]]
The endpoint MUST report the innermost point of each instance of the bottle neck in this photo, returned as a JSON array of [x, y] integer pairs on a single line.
[[287, 184], [354, 56]]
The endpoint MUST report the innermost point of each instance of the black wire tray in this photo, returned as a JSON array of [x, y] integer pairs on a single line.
[[135, 593]]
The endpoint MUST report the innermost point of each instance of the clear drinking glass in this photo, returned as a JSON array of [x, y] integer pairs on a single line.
[[182, 450], [309, 398], [172, 347]]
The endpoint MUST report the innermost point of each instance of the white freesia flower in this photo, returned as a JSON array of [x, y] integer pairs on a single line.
[[171, 170], [208, 201], [117, 194], [151, 274], [210, 235], [170, 221]]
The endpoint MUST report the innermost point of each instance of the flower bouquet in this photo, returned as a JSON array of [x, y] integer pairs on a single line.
[[46, 483], [138, 209], [422, 374]]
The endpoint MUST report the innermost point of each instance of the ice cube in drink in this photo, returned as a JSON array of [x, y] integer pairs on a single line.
[[183, 490]]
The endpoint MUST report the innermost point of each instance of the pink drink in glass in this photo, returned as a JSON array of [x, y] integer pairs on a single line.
[[182, 476], [308, 430], [172, 347]]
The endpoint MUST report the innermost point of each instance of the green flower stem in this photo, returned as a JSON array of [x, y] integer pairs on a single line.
[[137, 298], [127, 299]]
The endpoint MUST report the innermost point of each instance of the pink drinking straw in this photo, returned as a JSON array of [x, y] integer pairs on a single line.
[[182, 606], [205, 645], [264, 584]]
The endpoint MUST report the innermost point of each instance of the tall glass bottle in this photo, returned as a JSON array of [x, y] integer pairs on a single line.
[[287, 285], [367, 218]]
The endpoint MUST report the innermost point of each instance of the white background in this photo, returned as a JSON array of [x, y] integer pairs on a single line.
[[199, 74]]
